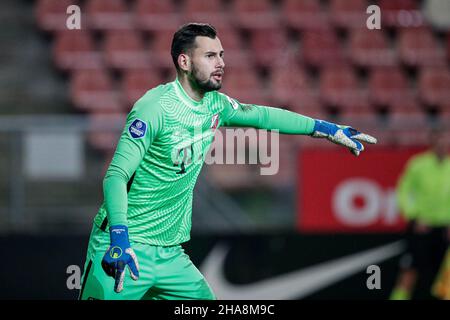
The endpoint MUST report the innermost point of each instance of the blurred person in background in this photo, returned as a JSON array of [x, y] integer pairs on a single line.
[[423, 195]]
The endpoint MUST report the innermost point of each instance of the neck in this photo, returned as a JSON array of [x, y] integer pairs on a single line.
[[192, 91]]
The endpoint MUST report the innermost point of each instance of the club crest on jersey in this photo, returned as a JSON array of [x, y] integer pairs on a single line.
[[137, 129], [215, 121]]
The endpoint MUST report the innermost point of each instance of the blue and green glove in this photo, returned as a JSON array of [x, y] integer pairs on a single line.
[[118, 256], [342, 135]]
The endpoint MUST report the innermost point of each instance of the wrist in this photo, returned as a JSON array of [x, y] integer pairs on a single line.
[[116, 217], [322, 127], [119, 234]]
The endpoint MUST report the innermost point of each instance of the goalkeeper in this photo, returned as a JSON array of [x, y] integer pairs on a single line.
[[134, 249]]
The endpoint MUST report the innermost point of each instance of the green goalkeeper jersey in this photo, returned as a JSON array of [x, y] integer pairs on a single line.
[[150, 181]]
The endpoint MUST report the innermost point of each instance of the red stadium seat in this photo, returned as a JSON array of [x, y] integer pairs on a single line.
[[304, 14], [244, 85], [411, 137], [408, 105], [310, 108], [434, 86], [389, 86], [105, 129], [230, 39], [125, 49], [443, 119], [371, 48], [418, 47], [135, 83], [51, 15], [360, 121], [209, 11], [160, 49], [348, 13], [75, 49], [109, 15], [340, 88], [235, 53], [92, 90], [364, 116], [400, 13], [254, 14], [445, 107], [291, 86], [402, 119], [268, 46], [321, 48], [404, 125], [156, 15]]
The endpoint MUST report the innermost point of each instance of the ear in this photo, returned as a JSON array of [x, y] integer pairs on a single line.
[[184, 61]]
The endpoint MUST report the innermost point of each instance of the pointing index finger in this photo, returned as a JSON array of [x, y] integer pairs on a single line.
[[365, 138]]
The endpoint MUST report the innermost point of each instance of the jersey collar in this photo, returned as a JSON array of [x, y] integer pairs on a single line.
[[184, 96]]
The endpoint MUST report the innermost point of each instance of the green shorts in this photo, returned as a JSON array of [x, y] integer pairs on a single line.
[[164, 273]]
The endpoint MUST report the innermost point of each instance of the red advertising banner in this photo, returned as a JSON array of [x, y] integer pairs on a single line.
[[338, 192]]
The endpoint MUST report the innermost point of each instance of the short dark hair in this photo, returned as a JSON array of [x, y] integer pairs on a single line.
[[184, 39]]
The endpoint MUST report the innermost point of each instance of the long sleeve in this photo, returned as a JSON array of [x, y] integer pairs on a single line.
[[143, 124], [236, 114]]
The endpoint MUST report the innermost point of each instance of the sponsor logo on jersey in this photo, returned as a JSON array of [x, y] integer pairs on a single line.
[[137, 129]]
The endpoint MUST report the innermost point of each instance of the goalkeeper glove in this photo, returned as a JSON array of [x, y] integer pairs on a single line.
[[342, 135], [118, 256]]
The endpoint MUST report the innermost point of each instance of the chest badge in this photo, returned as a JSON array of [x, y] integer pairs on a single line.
[[215, 121]]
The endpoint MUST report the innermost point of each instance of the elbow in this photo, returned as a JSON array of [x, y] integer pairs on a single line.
[[115, 174], [106, 179]]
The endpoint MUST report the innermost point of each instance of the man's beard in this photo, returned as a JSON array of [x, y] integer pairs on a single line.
[[203, 85]]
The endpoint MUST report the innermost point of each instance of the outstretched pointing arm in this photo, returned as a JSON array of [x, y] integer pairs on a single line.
[[287, 122]]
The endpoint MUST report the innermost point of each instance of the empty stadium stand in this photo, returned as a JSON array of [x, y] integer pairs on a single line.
[[310, 56]]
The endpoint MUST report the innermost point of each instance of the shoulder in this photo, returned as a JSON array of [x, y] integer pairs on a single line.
[[154, 96], [226, 103], [420, 160], [150, 103]]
